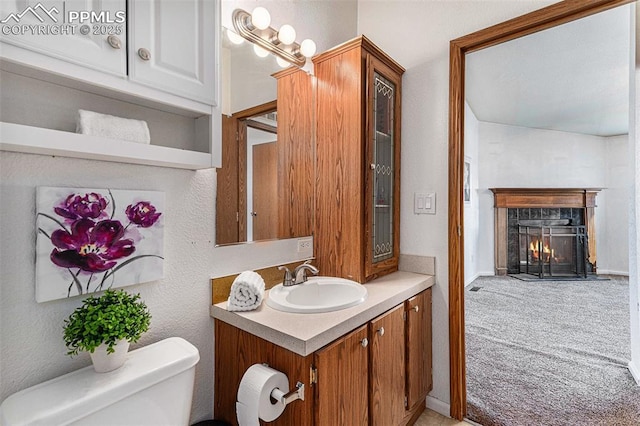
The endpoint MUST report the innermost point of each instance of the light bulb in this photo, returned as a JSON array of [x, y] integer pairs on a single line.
[[262, 53], [282, 62], [308, 48], [287, 34], [260, 18], [234, 38]]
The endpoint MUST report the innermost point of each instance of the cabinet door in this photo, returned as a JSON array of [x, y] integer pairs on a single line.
[[341, 396], [383, 177], [52, 28], [173, 45], [387, 368], [418, 334]]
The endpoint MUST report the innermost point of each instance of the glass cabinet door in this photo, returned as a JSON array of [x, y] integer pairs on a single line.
[[383, 168]]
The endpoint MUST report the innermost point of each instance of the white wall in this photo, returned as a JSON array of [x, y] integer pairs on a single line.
[[473, 246], [613, 250], [417, 35], [512, 156], [32, 347]]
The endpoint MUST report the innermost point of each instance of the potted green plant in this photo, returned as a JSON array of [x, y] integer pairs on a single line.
[[104, 326]]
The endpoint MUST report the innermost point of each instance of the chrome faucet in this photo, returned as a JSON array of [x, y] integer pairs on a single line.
[[299, 274]]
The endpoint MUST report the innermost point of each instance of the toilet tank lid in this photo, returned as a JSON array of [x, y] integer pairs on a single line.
[[79, 393]]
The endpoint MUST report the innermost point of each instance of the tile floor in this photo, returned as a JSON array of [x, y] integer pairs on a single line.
[[431, 418]]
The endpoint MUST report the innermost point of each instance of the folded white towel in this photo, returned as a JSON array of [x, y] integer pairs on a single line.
[[247, 292], [109, 126]]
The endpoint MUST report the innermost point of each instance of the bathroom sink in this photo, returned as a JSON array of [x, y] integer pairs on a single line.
[[318, 294]]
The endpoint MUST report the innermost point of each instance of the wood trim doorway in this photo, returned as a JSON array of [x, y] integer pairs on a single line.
[[548, 17], [231, 195]]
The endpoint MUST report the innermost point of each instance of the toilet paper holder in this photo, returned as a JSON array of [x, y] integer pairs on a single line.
[[287, 398]]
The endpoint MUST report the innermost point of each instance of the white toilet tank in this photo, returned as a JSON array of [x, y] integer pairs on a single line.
[[154, 387]]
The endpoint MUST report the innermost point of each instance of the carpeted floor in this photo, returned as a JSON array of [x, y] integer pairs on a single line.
[[549, 353]]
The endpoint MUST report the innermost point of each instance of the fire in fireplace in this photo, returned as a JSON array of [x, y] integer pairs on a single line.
[[552, 248]]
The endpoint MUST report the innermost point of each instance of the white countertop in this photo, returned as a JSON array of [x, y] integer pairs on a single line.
[[306, 333]]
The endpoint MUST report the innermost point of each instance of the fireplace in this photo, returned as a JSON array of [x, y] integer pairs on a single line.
[[545, 232], [551, 249]]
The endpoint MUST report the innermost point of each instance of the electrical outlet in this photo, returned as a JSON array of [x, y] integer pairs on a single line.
[[305, 245]]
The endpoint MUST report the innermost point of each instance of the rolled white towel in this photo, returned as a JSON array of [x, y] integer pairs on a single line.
[[247, 292], [110, 126]]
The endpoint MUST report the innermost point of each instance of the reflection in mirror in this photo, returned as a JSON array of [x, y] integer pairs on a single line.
[[247, 79], [259, 191], [244, 211], [262, 174]]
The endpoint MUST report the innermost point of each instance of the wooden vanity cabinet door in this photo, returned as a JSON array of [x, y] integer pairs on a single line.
[[418, 335], [341, 394], [387, 369]]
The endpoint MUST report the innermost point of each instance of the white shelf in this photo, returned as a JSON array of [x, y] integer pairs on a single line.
[[37, 140]]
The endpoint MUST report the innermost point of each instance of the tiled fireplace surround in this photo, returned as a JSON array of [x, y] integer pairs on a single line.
[[515, 204]]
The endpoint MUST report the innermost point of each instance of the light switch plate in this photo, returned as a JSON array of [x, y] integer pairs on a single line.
[[424, 203]]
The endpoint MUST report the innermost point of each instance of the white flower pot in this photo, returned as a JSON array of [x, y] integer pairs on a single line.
[[104, 362]]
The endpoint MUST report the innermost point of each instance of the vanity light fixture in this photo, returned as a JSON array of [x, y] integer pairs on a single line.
[[255, 28], [260, 52], [234, 38], [282, 63]]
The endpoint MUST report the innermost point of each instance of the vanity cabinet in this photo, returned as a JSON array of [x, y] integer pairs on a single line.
[[418, 336], [342, 385], [387, 369], [235, 351], [357, 161], [377, 374]]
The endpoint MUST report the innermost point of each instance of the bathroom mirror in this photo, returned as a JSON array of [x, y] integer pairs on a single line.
[[247, 203]]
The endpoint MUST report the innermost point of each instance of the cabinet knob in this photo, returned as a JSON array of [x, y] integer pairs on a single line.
[[254, 214], [114, 42], [364, 342], [416, 308], [381, 331], [372, 166], [144, 54]]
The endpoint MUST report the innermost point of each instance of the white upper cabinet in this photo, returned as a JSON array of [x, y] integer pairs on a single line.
[[57, 29], [172, 46], [153, 49], [150, 54]]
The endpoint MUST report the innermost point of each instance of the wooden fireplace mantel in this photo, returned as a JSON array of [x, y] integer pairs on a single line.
[[545, 197], [506, 198]]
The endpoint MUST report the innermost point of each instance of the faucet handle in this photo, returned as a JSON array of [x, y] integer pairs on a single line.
[[287, 280]]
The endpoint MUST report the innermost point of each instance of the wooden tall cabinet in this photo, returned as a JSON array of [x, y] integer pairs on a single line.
[[295, 153], [357, 161]]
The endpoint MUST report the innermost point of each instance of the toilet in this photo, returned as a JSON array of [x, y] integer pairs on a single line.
[[154, 387]]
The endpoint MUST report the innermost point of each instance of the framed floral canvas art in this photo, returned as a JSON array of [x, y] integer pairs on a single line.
[[89, 240]]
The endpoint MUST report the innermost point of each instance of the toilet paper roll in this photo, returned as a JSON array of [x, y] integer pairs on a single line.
[[254, 395]]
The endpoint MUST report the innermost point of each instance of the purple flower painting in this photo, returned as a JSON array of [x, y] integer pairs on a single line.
[[90, 240]]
